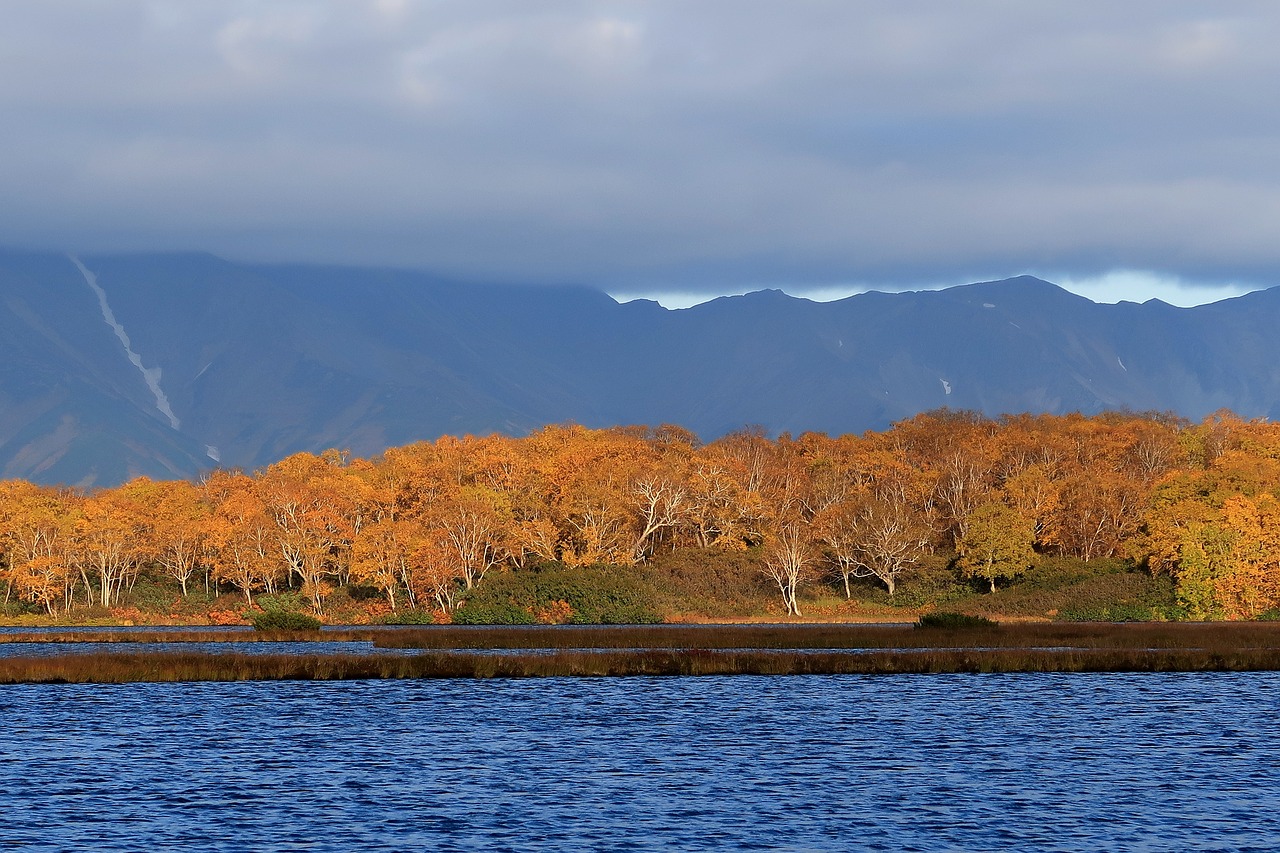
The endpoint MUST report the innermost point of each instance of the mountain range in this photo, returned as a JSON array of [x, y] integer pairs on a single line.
[[168, 365]]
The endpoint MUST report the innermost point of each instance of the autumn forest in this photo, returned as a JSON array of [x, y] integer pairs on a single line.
[[436, 529]]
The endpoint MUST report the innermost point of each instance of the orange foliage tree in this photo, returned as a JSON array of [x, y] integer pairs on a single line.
[[425, 523]]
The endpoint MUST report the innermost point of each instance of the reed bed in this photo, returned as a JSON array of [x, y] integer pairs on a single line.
[[662, 650], [1224, 636], [189, 667]]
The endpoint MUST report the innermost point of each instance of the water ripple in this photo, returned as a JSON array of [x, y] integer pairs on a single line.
[[930, 763]]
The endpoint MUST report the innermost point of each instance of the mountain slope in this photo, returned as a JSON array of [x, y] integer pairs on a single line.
[[256, 362]]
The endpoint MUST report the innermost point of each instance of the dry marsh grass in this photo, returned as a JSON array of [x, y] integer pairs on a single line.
[[664, 650], [1225, 636], [187, 667]]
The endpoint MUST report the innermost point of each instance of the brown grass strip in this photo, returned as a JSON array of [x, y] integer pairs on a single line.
[[739, 636], [837, 636], [114, 668]]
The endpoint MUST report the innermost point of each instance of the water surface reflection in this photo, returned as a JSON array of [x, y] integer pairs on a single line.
[[945, 762]]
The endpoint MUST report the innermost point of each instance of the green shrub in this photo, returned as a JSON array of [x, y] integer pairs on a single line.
[[1132, 596], [596, 595], [1272, 615], [14, 607], [149, 595], [475, 611], [710, 581], [288, 601], [954, 621], [1072, 590], [283, 612], [285, 620], [586, 595], [409, 617], [933, 580], [1055, 572]]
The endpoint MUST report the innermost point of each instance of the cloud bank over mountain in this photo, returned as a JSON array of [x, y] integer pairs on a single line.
[[654, 146]]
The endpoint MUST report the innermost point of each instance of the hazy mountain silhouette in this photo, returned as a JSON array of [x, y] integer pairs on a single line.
[[257, 362]]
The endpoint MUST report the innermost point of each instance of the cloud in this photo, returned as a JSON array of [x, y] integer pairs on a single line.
[[654, 146]]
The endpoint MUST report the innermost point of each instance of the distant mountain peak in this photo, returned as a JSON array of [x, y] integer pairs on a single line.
[[767, 294], [262, 361], [1026, 291]]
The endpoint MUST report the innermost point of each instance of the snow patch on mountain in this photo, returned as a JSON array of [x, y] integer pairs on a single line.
[[149, 375]]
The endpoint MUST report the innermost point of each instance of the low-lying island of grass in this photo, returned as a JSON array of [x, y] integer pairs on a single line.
[[662, 650]]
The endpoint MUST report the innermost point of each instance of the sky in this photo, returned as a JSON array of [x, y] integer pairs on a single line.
[[664, 149]]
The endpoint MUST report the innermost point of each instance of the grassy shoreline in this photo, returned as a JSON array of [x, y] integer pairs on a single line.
[[736, 636], [190, 667], [663, 650], [1180, 635]]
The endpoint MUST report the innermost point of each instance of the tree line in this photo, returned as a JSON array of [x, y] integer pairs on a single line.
[[425, 523]]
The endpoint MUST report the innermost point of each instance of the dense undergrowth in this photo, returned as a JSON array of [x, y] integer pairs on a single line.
[[682, 586], [553, 593]]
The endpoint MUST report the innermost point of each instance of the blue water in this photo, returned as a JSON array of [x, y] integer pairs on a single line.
[[943, 762]]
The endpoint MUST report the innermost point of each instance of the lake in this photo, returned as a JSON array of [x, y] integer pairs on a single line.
[[942, 762]]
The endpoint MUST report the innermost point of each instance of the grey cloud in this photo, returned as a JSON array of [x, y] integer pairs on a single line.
[[651, 144]]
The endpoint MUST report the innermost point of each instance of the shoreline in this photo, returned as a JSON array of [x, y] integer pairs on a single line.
[[122, 668], [655, 650]]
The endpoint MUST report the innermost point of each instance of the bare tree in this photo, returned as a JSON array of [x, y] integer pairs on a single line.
[[872, 537], [788, 559]]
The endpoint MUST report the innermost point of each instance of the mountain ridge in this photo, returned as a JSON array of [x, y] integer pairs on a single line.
[[259, 361]]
